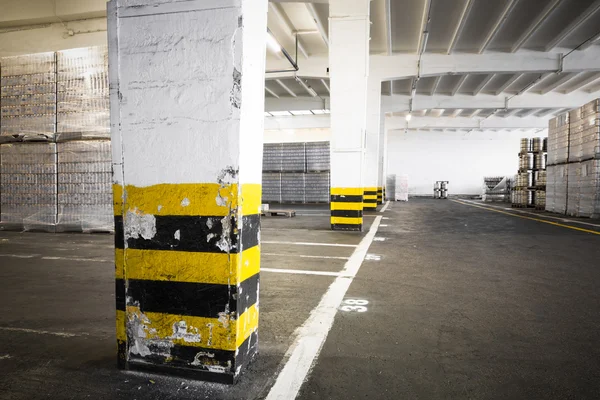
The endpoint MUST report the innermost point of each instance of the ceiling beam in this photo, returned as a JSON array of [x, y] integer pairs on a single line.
[[388, 26], [483, 84], [436, 83], [573, 26], [510, 113], [272, 93], [492, 122], [308, 89], [320, 27], [540, 19], [564, 78], [424, 35], [456, 113], [461, 25], [530, 112], [459, 84], [506, 84], [324, 82], [586, 82], [545, 113], [475, 113], [287, 89], [297, 103], [510, 6], [285, 23]]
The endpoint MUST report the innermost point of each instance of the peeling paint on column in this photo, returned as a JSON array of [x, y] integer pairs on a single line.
[[139, 225]]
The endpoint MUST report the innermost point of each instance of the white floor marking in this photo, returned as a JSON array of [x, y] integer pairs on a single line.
[[76, 259], [383, 226], [387, 204], [379, 239], [25, 330], [373, 257], [310, 244], [562, 219], [304, 256], [5, 357], [19, 255], [300, 271], [312, 334]]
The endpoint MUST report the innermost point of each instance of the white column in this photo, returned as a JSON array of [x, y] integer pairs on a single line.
[[371, 161], [349, 68], [187, 98]]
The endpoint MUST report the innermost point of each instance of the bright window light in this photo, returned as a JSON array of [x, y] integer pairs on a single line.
[[272, 43]]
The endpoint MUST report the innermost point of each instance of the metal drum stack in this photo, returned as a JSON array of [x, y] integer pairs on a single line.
[[530, 181], [440, 190]]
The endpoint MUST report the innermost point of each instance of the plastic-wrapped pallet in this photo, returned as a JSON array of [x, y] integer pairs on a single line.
[[558, 140], [28, 97], [401, 188], [272, 157], [390, 187], [83, 105], [589, 189], [293, 157], [293, 188], [28, 186], [577, 124], [318, 156], [84, 186], [590, 134], [271, 187], [316, 187], [574, 188]]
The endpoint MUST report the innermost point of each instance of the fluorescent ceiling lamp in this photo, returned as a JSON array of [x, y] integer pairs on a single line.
[[272, 43], [301, 112], [267, 114], [408, 117], [280, 113]]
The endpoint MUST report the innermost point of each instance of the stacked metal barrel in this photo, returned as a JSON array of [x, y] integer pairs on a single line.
[[530, 182]]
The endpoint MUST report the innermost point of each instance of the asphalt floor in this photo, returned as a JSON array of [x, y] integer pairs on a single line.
[[460, 302]]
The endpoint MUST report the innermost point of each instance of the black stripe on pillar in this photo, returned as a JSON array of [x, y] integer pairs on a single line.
[[194, 233], [370, 201], [371, 193], [346, 199], [120, 294], [347, 213], [346, 227], [193, 361], [119, 235], [193, 299]]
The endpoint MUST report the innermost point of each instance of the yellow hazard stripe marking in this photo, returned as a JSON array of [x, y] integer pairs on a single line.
[[346, 206], [347, 191], [187, 199], [530, 218], [121, 327], [346, 220], [183, 266]]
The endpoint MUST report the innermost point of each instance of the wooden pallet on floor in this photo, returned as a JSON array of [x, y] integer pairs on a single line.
[[281, 213]]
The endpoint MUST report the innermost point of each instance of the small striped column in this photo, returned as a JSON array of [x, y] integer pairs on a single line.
[[187, 145], [380, 195], [346, 209], [370, 199]]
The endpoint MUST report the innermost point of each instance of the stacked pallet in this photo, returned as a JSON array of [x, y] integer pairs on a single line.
[[28, 197], [574, 177], [496, 189], [84, 186], [28, 97], [531, 179], [296, 172], [83, 109]]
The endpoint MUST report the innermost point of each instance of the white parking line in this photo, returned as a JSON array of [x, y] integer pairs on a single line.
[[305, 256], [25, 330], [299, 271], [75, 259], [312, 334], [310, 244], [387, 204], [19, 255]]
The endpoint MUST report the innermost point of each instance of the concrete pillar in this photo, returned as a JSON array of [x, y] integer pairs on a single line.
[[187, 99], [349, 68], [382, 155], [371, 161]]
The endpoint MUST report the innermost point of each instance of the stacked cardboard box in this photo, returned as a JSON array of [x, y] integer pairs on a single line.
[[271, 187], [84, 186], [28, 97], [558, 140], [83, 108], [28, 186]]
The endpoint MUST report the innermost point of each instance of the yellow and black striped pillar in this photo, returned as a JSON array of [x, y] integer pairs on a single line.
[[380, 195], [370, 199], [187, 277], [346, 209]]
